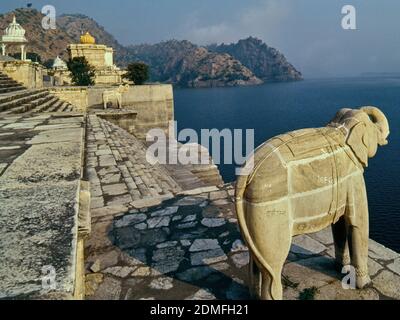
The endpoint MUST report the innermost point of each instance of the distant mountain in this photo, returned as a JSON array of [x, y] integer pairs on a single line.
[[182, 63], [187, 65], [265, 62]]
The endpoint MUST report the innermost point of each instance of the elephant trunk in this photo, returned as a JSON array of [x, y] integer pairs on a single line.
[[380, 120], [241, 185]]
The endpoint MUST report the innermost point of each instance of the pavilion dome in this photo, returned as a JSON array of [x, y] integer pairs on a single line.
[[59, 64], [87, 38], [14, 32]]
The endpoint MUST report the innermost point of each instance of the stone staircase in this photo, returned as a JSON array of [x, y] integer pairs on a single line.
[[31, 101], [9, 85], [120, 173]]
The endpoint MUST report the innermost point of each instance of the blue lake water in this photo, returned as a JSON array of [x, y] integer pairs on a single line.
[[276, 108]]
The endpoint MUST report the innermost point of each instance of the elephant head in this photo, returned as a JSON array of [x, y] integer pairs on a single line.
[[366, 128]]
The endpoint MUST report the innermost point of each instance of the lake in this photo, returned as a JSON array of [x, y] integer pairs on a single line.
[[276, 108]]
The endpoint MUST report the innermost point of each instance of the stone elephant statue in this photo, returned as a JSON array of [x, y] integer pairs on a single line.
[[114, 95], [302, 182]]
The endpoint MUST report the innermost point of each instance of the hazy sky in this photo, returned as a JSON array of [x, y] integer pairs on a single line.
[[308, 32]]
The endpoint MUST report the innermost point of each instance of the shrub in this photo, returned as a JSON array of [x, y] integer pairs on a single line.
[[82, 72], [137, 72]]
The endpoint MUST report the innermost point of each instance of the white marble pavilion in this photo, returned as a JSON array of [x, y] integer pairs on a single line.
[[14, 35]]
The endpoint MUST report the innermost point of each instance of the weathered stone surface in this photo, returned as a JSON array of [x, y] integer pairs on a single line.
[[202, 295], [108, 211], [120, 272], [165, 212], [189, 218], [195, 274], [208, 257], [104, 261], [92, 282], [325, 236], [109, 289], [204, 244], [213, 223], [158, 222], [237, 290], [130, 219], [335, 291], [167, 244], [395, 266], [167, 259], [313, 272], [373, 267], [306, 245], [388, 284], [378, 251], [162, 284], [240, 259], [115, 189], [238, 246], [142, 272], [38, 221], [218, 195], [134, 257]]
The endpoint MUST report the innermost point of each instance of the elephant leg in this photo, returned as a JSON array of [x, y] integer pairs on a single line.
[[341, 239], [359, 255], [274, 253], [359, 235], [254, 279]]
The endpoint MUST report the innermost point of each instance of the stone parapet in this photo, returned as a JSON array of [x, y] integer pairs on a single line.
[[44, 207]]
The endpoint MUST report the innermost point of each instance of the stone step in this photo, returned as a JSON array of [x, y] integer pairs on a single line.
[[25, 99], [11, 89], [56, 106], [48, 104], [31, 105], [8, 84], [23, 93]]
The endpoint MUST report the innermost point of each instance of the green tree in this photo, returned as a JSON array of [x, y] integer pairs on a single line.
[[137, 72], [82, 72]]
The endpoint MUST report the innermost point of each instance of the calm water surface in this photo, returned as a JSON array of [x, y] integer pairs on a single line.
[[276, 108]]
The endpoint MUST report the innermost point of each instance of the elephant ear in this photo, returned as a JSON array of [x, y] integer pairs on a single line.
[[357, 140]]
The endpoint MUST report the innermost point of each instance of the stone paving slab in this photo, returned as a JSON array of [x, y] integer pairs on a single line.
[[39, 186]]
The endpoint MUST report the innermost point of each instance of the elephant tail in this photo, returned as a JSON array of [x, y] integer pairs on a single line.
[[241, 185]]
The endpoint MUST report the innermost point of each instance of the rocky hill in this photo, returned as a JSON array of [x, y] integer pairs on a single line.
[[265, 62], [187, 65], [181, 63], [50, 43]]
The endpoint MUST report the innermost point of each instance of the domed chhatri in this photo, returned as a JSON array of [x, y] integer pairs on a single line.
[[87, 38], [14, 34], [59, 64]]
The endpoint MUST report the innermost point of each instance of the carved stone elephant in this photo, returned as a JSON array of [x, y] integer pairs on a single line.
[[114, 95], [303, 182]]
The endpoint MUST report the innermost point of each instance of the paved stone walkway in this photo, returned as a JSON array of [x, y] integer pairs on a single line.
[[40, 181], [190, 248], [117, 168]]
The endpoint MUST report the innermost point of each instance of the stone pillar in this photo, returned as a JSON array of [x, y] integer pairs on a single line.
[[3, 49], [23, 58]]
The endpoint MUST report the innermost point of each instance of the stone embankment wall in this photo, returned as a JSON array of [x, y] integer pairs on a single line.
[[151, 106], [28, 73]]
